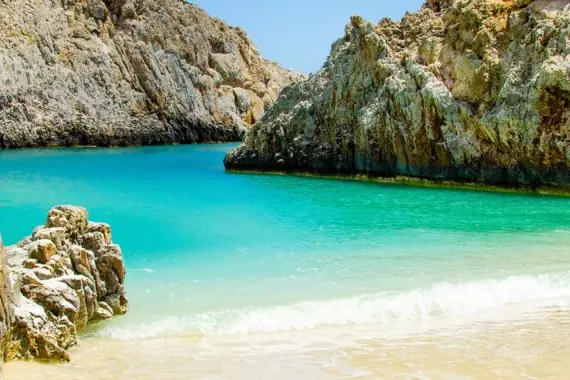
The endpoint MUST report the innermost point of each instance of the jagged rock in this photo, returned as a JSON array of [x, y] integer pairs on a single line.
[[42, 250], [102, 228], [37, 334], [72, 219], [465, 90], [6, 305], [56, 235], [93, 72], [65, 275], [103, 313]]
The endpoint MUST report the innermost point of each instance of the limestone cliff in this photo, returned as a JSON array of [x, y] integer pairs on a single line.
[[65, 275], [127, 72], [466, 90]]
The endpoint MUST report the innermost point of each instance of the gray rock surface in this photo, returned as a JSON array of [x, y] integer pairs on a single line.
[[464, 90], [127, 72], [65, 275]]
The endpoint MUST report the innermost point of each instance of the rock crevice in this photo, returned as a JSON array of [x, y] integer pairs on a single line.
[[463, 90]]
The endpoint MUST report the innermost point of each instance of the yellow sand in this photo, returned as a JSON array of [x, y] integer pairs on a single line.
[[533, 345]]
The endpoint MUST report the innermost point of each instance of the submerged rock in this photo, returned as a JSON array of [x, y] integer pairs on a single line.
[[65, 275], [92, 72], [465, 90]]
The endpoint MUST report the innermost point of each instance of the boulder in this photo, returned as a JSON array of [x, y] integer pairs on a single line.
[[67, 274]]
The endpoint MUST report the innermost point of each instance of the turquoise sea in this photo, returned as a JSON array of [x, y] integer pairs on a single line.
[[239, 255]]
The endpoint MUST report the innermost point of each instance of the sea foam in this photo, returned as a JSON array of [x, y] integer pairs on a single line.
[[437, 301]]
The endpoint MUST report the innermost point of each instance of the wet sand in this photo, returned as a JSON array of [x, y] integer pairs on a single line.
[[532, 345]]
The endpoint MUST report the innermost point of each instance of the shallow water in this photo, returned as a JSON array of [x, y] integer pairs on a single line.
[[529, 346], [239, 276]]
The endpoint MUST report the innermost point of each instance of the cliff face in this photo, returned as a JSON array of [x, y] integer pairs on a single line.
[[467, 90], [127, 72], [65, 275]]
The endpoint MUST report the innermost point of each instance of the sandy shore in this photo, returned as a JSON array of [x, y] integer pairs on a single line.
[[533, 345]]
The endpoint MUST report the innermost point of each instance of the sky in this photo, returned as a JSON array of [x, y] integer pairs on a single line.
[[298, 33]]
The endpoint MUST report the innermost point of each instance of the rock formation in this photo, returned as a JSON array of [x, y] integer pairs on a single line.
[[465, 90], [127, 72], [65, 275], [6, 306]]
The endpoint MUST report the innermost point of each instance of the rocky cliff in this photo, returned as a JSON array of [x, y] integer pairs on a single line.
[[65, 275], [127, 72], [466, 90]]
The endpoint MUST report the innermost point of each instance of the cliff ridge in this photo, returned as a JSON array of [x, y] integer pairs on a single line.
[[127, 72], [463, 90]]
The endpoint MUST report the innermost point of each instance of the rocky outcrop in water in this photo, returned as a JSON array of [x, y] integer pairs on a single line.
[[465, 90], [127, 72], [65, 275]]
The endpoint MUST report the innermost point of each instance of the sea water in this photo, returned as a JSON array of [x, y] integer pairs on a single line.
[[246, 276]]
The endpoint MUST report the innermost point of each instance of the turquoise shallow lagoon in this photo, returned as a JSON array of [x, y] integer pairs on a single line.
[[216, 254]]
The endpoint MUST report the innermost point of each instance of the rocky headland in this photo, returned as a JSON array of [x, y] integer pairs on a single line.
[[463, 90], [53, 283], [127, 72]]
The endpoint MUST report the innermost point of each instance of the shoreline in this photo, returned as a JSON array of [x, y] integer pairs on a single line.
[[315, 254], [534, 344], [399, 180]]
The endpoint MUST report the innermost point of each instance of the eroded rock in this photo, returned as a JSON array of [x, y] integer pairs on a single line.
[[6, 306], [93, 72], [465, 90], [65, 275], [42, 250]]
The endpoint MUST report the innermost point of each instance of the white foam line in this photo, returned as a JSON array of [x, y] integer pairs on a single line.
[[440, 300]]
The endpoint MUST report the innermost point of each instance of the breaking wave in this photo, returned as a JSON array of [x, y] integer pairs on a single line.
[[440, 300]]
